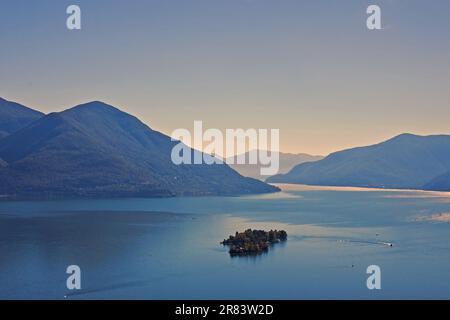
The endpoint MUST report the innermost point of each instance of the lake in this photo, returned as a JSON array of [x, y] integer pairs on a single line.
[[169, 248]]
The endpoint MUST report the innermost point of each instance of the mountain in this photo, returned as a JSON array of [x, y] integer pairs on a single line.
[[287, 162], [440, 183], [14, 116], [96, 150], [405, 161]]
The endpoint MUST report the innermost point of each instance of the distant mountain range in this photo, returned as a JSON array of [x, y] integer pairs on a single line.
[[96, 150], [287, 162], [406, 161], [14, 116]]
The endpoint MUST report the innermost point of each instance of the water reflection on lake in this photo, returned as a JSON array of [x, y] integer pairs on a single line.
[[169, 248]]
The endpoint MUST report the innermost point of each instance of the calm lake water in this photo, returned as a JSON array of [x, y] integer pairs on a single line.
[[169, 248]]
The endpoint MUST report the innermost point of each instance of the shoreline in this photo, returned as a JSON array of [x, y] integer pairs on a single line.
[[305, 187]]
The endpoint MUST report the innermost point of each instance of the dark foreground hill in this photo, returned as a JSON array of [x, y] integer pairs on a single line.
[[96, 150]]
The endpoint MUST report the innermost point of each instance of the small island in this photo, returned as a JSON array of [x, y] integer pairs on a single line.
[[253, 242]]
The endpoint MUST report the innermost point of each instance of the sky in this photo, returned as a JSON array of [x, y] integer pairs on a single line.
[[311, 68]]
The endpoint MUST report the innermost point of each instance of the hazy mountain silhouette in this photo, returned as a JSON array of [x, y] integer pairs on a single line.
[[96, 150], [14, 116], [406, 161], [287, 162]]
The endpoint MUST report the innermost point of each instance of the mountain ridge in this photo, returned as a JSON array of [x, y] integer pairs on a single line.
[[95, 149], [404, 161], [286, 162], [15, 116]]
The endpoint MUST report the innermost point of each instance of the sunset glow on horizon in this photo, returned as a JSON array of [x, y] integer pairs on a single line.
[[310, 69]]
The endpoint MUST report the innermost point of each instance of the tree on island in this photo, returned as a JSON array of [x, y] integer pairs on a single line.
[[251, 242]]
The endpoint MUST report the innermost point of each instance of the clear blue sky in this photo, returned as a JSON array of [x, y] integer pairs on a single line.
[[309, 68]]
